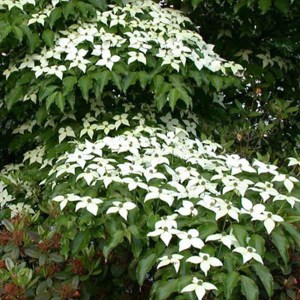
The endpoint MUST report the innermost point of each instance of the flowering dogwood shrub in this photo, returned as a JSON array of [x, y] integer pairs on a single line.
[[122, 192], [109, 195]]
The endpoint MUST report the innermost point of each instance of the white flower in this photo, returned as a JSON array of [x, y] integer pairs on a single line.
[[238, 165], [79, 157], [287, 180], [117, 19], [57, 71], [64, 199], [187, 209], [250, 209], [79, 60], [91, 204], [10, 70], [133, 183], [173, 259], [199, 287], [93, 148], [90, 173], [248, 253], [136, 56], [64, 132], [122, 208], [189, 239], [232, 183], [121, 119], [205, 261], [108, 60], [151, 173], [5, 197], [293, 162], [162, 194], [168, 59], [37, 18], [227, 240], [269, 220], [265, 168], [88, 129], [19, 209], [186, 173], [102, 50], [165, 233], [227, 208], [265, 190], [167, 221], [106, 127], [290, 199]]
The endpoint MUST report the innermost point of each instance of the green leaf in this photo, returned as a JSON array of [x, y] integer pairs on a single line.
[[117, 79], [68, 84], [80, 241], [144, 78], [158, 81], [48, 37], [207, 229], [216, 82], [281, 243], [173, 97], [144, 266], [101, 78], [115, 240], [55, 15], [178, 83], [46, 91], [5, 32], [265, 276], [32, 251], [166, 288], [9, 263], [56, 257], [130, 79], [282, 5], [50, 100], [8, 225], [258, 243], [293, 232], [18, 33], [60, 101], [85, 84], [14, 96], [195, 3], [249, 288], [264, 5], [240, 233], [230, 283], [31, 38]]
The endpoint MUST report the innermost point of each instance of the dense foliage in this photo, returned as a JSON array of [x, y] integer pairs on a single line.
[[110, 184], [264, 37]]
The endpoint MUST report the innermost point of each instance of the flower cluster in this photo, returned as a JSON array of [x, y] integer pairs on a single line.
[[136, 34], [131, 163]]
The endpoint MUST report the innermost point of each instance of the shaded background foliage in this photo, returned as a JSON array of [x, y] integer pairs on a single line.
[[263, 116]]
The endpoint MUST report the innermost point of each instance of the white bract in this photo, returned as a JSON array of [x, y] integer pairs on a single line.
[[91, 204], [248, 253], [189, 239], [205, 261], [173, 259], [199, 287], [122, 208]]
